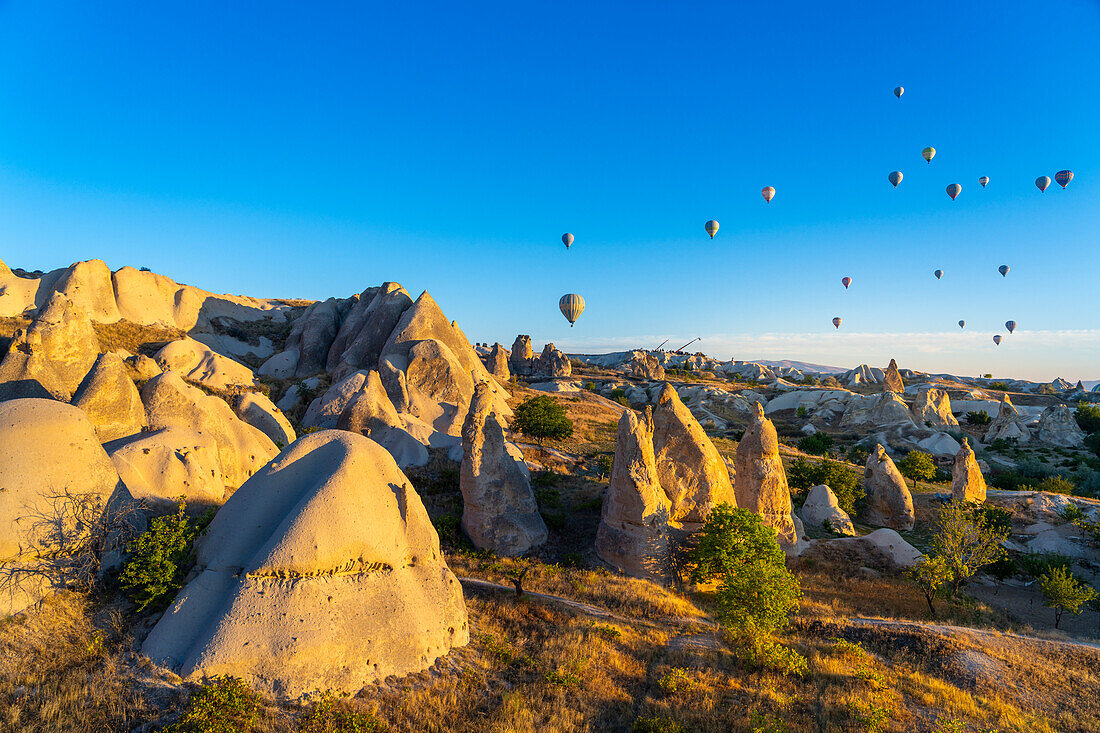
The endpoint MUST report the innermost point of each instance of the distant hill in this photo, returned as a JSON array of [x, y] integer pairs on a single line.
[[800, 365]]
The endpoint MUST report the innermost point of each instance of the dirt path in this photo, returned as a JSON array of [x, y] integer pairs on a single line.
[[967, 631]]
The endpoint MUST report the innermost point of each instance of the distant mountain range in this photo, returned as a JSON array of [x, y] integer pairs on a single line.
[[800, 365]]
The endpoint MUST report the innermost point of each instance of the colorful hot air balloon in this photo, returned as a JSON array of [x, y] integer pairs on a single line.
[[997, 339], [928, 154], [768, 193], [1042, 182], [898, 91], [571, 306], [1063, 178], [845, 281], [895, 178], [983, 180], [836, 321], [938, 274], [712, 227], [567, 240], [1003, 269], [1010, 325], [954, 190], [962, 324]]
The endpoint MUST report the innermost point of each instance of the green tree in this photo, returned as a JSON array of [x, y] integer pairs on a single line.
[[819, 444], [930, 575], [1088, 417], [917, 466], [965, 542], [1064, 592], [845, 482], [159, 557], [542, 417]]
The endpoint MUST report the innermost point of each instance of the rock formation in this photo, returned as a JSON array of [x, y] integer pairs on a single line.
[[110, 400], [371, 413], [889, 503], [1058, 426], [242, 449], [522, 356], [1008, 425], [55, 352], [882, 410], [822, 509], [499, 511], [760, 483], [892, 380], [159, 467], [322, 572], [497, 363], [967, 482], [553, 363], [312, 335], [47, 449], [644, 365], [368, 325], [691, 472], [932, 408], [633, 531], [197, 362], [258, 411]]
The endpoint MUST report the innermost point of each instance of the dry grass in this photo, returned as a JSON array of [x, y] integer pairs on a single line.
[[135, 338]]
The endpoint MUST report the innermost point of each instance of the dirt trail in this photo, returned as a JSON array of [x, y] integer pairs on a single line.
[[967, 631]]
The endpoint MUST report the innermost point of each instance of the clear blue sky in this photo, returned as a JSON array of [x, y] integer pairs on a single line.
[[308, 150]]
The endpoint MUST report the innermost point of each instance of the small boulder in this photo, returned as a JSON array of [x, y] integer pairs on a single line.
[[110, 399], [967, 482], [499, 511], [822, 509], [889, 503], [163, 465]]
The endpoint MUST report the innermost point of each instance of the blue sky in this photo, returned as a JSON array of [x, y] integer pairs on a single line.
[[281, 149]]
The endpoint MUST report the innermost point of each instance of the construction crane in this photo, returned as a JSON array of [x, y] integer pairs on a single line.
[[689, 343], [660, 345]]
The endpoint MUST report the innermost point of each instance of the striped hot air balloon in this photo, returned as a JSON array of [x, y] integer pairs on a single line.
[[836, 321], [768, 193], [712, 227], [1063, 178], [954, 190], [571, 306], [1042, 182], [895, 178], [1010, 325], [845, 281], [983, 180], [928, 153], [567, 240], [898, 91], [997, 339]]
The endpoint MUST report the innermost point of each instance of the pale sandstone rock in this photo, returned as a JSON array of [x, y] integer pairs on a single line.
[[1008, 425], [522, 355], [967, 482], [110, 400], [366, 329], [889, 503], [323, 572], [497, 363], [197, 362], [1058, 426], [163, 465], [822, 509], [259, 412], [932, 407], [760, 483], [892, 379], [554, 363], [499, 511], [62, 335]]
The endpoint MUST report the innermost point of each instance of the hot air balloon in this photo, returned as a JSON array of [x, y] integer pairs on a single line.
[[928, 154], [768, 193], [1042, 182], [836, 321], [845, 281], [571, 306], [962, 324], [1063, 178], [997, 339], [567, 240], [1010, 325], [983, 180], [954, 190], [938, 274], [1003, 269], [712, 228], [898, 91], [895, 178]]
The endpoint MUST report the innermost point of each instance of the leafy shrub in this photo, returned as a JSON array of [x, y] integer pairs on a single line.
[[590, 386], [801, 411], [1037, 564], [1072, 513], [159, 557], [819, 444], [226, 706], [858, 454], [991, 516], [330, 715], [603, 465], [1002, 386], [930, 575], [1092, 442], [1064, 592], [981, 417], [657, 724], [675, 680], [844, 482], [542, 417], [1088, 418], [917, 466], [964, 543], [1057, 485]]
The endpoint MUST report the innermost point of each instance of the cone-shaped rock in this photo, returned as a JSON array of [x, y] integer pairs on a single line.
[[497, 363], [633, 531], [889, 503], [522, 355], [499, 512], [322, 572], [967, 482], [1008, 425], [891, 382], [822, 509], [110, 399], [691, 471], [366, 328], [1058, 426], [760, 483]]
